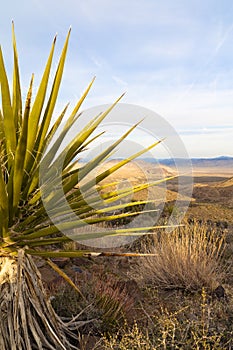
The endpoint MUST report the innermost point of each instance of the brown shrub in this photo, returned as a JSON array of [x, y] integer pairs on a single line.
[[189, 258]]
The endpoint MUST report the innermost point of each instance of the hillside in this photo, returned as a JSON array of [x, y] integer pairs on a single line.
[[221, 193], [212, 196], [139, 172]]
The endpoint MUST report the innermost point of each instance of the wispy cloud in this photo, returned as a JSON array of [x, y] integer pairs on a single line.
[[119, 81]]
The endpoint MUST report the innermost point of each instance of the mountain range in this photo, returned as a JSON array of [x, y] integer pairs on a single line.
[[222, 161]]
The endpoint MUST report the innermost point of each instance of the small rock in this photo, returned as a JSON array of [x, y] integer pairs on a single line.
[[77, 269], [219, 292], [61, 262]]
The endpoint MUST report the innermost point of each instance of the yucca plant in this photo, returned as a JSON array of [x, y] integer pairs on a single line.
[[33, 216]]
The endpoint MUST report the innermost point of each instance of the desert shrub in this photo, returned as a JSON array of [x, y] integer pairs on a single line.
[[130, 338], [112, 302], [106, 303], [189, 258], [197, 323], [65, 299]]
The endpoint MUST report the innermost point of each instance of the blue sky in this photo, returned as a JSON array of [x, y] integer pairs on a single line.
[[173, 57]]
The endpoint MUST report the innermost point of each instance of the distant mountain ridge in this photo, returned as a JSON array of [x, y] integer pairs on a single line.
[[221, 161]]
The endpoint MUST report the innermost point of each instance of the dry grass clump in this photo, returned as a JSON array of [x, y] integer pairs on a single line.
[[189, 258]]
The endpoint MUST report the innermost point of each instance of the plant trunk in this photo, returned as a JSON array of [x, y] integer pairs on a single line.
[[27, 318]]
